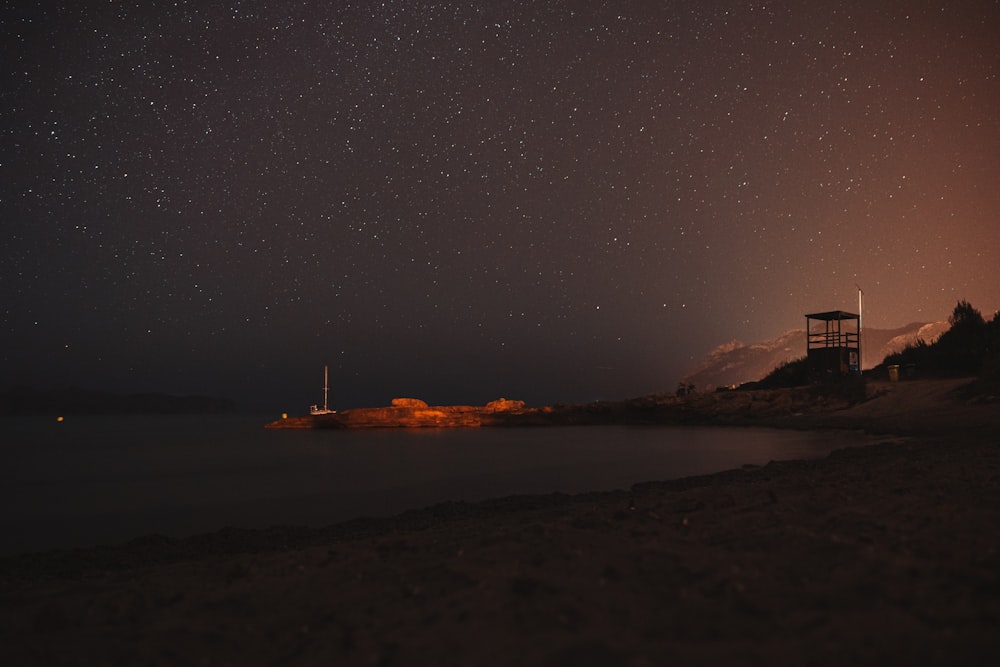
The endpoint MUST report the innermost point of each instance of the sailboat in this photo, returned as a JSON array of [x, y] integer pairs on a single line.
[[325, 410]]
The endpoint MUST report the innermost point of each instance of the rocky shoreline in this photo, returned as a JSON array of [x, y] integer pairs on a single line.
[[878, 407]]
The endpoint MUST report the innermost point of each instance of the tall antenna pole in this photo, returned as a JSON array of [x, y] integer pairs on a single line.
[[861, 349]]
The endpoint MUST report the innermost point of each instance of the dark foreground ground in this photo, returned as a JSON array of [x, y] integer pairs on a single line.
[[888, 554]]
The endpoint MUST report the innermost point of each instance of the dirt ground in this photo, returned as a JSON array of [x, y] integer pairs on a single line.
[[886, 554]]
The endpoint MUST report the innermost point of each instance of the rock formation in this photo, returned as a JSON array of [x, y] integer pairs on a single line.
[[408, 403], [414, 413], [504, 405]]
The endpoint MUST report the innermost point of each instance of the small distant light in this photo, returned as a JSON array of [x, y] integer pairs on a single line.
[[284, 415], [59, 418]]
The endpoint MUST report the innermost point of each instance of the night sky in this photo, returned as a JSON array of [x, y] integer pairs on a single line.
[[457, 201]]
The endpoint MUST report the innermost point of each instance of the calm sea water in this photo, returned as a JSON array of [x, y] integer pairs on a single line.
[[100, 480]]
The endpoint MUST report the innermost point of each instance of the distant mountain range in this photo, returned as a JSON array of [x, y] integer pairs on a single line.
[[735, 362]]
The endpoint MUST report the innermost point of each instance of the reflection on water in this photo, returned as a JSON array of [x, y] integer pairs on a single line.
[[90, 480]]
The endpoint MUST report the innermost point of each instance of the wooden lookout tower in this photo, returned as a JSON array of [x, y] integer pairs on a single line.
[[833, 344]]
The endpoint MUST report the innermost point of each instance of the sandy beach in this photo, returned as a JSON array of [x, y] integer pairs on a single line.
[[885, 554]]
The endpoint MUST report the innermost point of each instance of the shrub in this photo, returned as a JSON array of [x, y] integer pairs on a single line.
[[962, 350], [793, 373]]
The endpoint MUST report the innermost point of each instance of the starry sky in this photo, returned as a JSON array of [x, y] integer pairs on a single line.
[[456, 201]]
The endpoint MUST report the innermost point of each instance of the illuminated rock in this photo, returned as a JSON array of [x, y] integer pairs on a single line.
[[414, 413], [504, 405], [408, 403]]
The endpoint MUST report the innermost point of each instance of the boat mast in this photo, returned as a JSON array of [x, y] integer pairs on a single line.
[[326, 387]]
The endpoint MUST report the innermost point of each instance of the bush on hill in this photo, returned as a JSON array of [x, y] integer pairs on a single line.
[[971, 345], [850, 388], [793, 373]]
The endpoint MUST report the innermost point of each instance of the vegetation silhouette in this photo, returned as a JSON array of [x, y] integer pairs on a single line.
[[971, 347], [793, 373]]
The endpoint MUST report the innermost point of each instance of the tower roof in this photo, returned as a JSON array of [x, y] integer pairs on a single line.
[[833, 315]]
